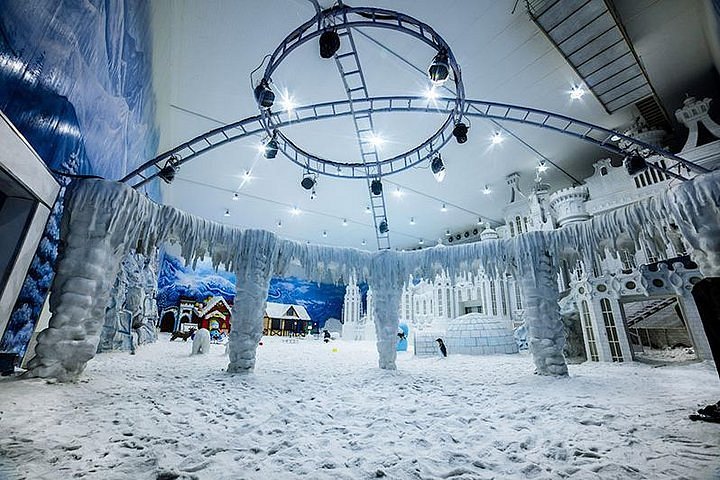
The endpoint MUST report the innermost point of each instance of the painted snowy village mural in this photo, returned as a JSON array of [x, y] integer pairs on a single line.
[[203, 297]]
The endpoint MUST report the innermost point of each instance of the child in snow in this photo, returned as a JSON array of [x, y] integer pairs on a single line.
[[441, 344]]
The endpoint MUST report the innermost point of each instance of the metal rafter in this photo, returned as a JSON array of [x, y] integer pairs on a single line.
[[597, 135]]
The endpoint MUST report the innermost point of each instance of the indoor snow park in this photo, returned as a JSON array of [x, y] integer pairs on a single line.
[[290, 239]]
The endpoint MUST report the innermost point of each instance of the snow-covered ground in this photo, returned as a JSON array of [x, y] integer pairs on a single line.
[[311, 412]]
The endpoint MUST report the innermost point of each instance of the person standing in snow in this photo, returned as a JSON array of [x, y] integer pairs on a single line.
[[441, 344], [326, 336]]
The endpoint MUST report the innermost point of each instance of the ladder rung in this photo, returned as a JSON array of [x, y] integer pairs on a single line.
[[356, 89], [343, 55], [351, 73]]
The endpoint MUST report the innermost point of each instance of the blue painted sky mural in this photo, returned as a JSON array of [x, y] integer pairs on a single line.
[[176, 280], [75, 80]]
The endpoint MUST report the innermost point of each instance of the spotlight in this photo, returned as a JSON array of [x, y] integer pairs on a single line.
[[398, 192], [431, 94], [376, 187], [487, 190], [324, 234], [438, 168], [460, 132], [264, 95], [227, 213], [367, 209], [542, 167], [279, 224], [412, 220], [308, 181], [421, 242], [329, 43], [236, 197], [479, 222], [439, 69], [447, 232], [344, 222], [497, 138], [271, 147], [167, 173], [577, 92], [295, 211], [635, 164], [363, 242], [443, 208], [383, 227]]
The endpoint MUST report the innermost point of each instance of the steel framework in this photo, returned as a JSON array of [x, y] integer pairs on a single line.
[[203, 143]]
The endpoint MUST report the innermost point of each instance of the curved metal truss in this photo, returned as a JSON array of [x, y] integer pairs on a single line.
[[597, 135], [343, 19]]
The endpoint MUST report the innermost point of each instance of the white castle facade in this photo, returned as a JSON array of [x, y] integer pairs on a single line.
[[613, 300]]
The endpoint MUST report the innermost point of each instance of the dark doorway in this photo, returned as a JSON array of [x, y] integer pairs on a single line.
[[167, 323]]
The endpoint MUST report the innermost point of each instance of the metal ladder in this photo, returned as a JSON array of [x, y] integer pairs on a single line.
[[348, 64]]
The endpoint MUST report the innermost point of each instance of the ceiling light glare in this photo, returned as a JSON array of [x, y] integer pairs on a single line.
[[227, 213], [287, 103], [367, 209], [264, 95], [236, 197], [329, 43], [443, 208], [479, 222], [431, 94], [412, 220], [344, 222], [247, 176], [542, 167], [421, 242], [487, 190], [439, 69], [447, 232], [324, 234], [497, 138], [398, 192], [295, 211], [279, 224], [577, 92], [363, 242], [438, 168], [376, 141]]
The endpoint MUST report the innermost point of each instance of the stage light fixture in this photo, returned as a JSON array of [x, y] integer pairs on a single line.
[[236, 197], [460, 132], [635, 164], [376, 187], [412, 220], [383, 228], [227, 213], [443, 208], [439, 69], [421, 242], [438, 168], [271, 147], [308, 181], [329, 43], [264, 94], [363, 242], [167, 173], [487, 190], [344, 222]]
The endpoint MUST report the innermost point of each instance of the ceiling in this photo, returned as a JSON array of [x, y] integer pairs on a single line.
[[203, 53]]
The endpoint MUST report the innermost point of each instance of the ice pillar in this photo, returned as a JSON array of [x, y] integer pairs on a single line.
[[386, 283], [546, 334], [253, 271], [81, 290]]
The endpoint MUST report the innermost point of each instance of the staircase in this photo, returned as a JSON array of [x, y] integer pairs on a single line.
[[646, 311]]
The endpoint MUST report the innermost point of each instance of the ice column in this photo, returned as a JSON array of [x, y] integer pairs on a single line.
[[546, 334], [386, 281], [253, 271], [79, 295]]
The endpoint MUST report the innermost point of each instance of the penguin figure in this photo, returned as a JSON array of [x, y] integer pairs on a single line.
[[441, 344]]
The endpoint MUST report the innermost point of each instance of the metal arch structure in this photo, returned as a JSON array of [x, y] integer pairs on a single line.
[[206, 142], [346, 18]]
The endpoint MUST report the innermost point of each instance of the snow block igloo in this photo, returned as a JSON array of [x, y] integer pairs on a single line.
[[476, 334]]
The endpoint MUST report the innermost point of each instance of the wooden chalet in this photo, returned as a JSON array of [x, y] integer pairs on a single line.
[[286, 320]]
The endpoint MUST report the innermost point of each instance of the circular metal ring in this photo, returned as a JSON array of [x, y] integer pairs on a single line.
[[345, 17]]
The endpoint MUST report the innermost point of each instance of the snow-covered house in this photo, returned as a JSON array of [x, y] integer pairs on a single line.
[[286, 320]]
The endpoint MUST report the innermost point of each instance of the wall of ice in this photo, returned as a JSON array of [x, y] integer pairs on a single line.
[[105, 220]]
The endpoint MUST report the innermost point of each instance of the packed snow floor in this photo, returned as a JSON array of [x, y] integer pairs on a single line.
[[325, 411]]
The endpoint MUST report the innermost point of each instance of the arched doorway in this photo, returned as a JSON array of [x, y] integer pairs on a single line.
[[167, 323]]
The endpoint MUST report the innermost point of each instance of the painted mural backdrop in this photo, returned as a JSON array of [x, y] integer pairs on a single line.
[[75, 80], [176, 280]]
